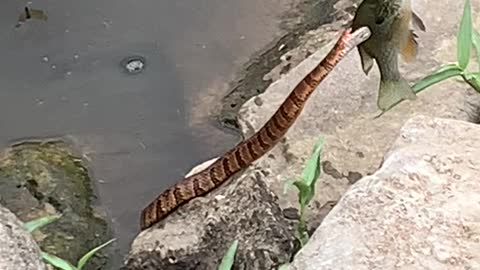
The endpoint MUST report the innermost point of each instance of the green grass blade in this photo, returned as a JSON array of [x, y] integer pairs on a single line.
[[464, 37], [441, 74], [476, 82], [312, 168], [287, 185], [228, 259], [473, 80], [304, 193], [310, 174], [35, 224], [57, 262], [476, 44], [89, 254]]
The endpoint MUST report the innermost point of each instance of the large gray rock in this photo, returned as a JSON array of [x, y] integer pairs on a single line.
[[18, 250], [198, 235], [421, 210]]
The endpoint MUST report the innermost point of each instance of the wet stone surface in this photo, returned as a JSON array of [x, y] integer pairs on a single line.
[[44, 178]]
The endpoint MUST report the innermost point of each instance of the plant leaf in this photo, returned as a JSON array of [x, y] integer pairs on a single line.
[[287, 185], [57, 262], [228, 259], [89, 254], [441, 74], [476, 82], [35, 224], [283, 266], [464, 37], [304, 193], [312, 167], [473, 80], [476, 44], [310, 174]]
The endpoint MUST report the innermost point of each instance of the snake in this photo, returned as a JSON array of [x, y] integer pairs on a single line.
[[249, 150]]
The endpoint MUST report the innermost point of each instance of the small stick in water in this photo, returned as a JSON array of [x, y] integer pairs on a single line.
[[29, 14]]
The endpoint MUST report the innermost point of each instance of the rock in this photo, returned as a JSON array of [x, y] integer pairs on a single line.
[[18, 250], [45, 177], [341, 111], [197, 235], [420, 210], [343, 107]]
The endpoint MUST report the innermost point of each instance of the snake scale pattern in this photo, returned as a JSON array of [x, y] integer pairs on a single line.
[[251, 149]]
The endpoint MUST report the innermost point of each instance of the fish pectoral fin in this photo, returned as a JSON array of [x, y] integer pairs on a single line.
[[366, 59], [417, 21], [409, 50], [392, 92]]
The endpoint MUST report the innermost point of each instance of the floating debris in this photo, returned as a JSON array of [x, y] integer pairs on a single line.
[[29, 13], [133, 64]]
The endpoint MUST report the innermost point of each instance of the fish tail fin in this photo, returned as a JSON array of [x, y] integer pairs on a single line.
[[392, 92], [409, 50]]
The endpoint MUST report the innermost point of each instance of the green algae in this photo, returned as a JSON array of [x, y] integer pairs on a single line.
[[46, 177]]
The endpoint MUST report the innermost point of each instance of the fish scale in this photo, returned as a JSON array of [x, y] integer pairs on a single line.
[[389, 21]]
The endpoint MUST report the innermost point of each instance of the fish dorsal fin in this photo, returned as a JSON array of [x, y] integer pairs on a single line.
[[418, 22]]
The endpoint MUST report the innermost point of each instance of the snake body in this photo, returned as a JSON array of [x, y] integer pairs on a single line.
[[251, 149]]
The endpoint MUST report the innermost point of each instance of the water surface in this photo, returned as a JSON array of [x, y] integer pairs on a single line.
[[141, 132]]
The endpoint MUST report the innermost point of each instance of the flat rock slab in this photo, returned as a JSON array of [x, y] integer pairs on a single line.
[[421, 210], [18, 250]]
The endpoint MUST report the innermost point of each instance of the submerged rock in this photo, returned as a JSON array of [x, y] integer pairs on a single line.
[[420, 210], [39, 178], [18, 250]]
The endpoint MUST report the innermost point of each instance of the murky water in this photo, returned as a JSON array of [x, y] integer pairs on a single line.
[[142, 132]]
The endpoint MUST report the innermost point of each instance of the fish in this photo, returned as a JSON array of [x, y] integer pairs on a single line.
[[390, 22], [30, 13]]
